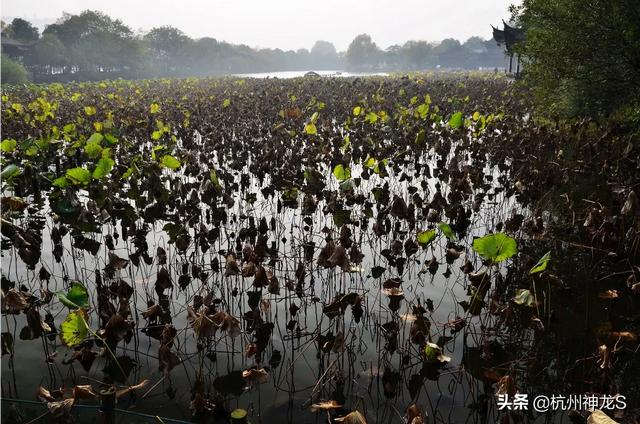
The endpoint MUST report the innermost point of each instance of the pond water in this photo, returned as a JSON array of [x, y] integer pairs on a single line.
[[278, 266], [358, 369], [296, 74]]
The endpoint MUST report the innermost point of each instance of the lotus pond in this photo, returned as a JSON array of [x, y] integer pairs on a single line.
[[313, 250]]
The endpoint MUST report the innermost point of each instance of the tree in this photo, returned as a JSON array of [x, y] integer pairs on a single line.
[[493, 56], [363, 53], [23, 30], [324, 55], [447, 45], [203, 55], [474, 45], [323, 48], [303, 57], [71, 28], [169, 47], [417, 54], [582, 57], [393, 57], [450, 54], [97, 44], [47, 53]]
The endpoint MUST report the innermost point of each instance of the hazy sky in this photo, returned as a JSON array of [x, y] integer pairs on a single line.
[[288, 24]]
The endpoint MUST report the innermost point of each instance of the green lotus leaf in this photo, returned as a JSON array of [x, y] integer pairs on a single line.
[[10, 171], [310, 129], [541, 265], [456, 120], [213, 175], [447, 230], [76, 297], [93, 149], [426, 237], [170, 162], [8, 146], [78, 176], [103, 168], [74, 330], [341, 173], [95, 138], [496, 247]]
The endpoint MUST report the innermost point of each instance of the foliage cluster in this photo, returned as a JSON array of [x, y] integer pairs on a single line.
[[13, 72], [582, 58]]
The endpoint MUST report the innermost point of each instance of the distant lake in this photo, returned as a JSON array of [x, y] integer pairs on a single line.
[[295, 74]]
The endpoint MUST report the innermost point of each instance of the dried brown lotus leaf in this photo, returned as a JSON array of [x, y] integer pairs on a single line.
[[44, 395], [203, 325], [84, 392], [61, 408], [339, 258], [232, 267], [14, 301], [255, 376]]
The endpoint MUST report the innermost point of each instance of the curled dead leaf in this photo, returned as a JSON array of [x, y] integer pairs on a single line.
[[60, 409], [599, 417], [44, 395], [393, 292], [202, 325], [414, 415], [325, 406], [153, 312], [609, 294], [13, 301], [125, 391], [84, 392], [506, 386], [353, 417], [625, 335], [255, 376], [232, 267]]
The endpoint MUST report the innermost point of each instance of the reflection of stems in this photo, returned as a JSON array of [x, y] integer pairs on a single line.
[[535, 296], [11, 356], [485, 279], [106, 345], [323, 375], [153, 387], [548, 311], [38, 417]]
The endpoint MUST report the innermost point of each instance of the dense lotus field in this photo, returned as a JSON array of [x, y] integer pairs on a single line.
[[341, 250]]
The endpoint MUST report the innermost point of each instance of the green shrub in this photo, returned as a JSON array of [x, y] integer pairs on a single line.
[[13, 72]]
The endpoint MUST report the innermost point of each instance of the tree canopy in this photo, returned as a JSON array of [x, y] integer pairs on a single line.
[[582, 56], [363, 53], [22, 30]]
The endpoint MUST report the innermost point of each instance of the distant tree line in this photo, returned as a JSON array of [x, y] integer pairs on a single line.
[[93, 45], [364, 54]]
